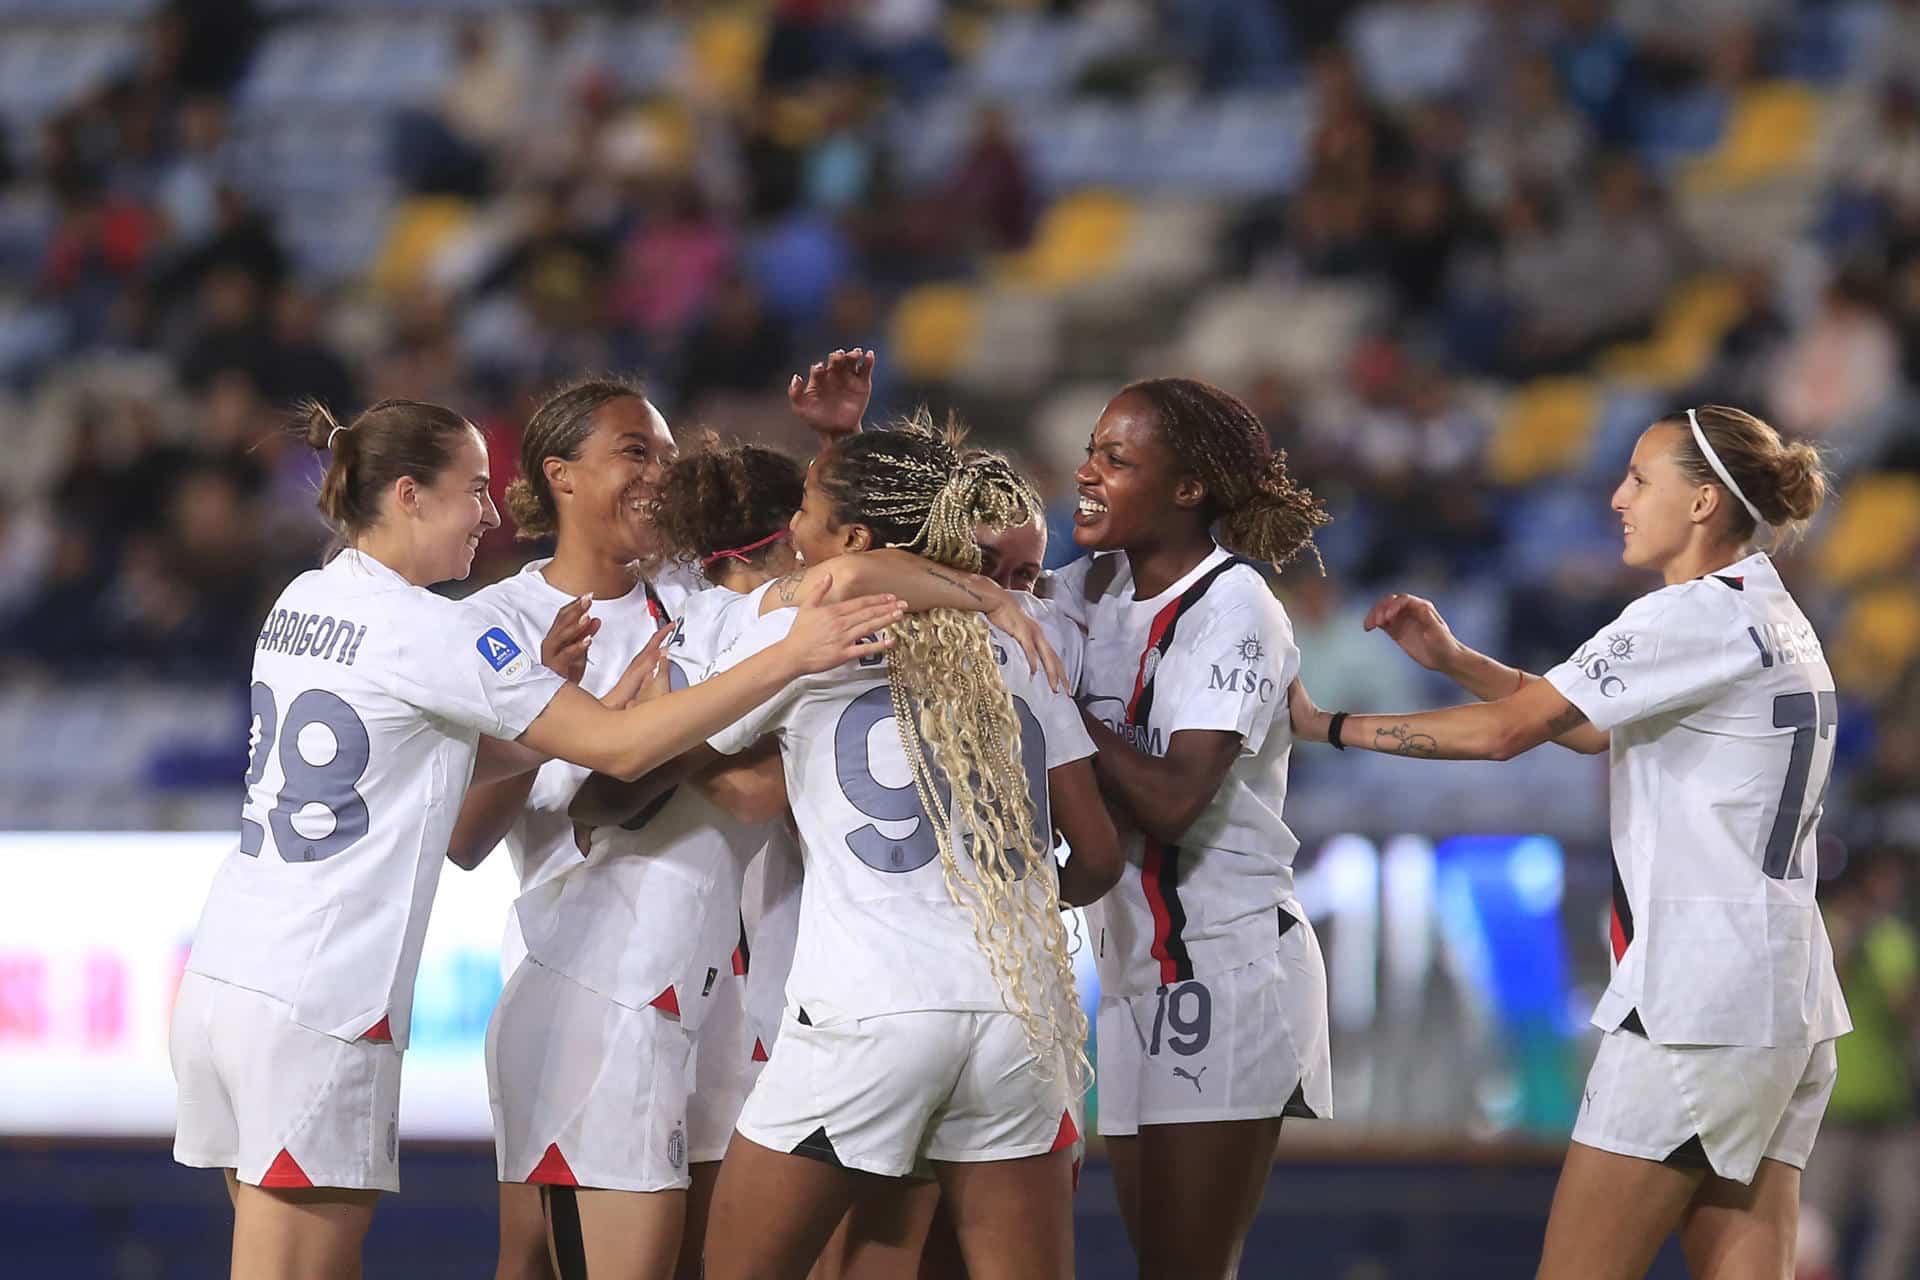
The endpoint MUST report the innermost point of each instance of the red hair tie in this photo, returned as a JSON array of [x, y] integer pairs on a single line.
[[741, 553]]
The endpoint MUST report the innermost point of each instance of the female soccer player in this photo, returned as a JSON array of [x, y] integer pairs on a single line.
[[370, 696], [1213, 1005], [726, 509], [589, 460], [1714, 702], [931, 1014]]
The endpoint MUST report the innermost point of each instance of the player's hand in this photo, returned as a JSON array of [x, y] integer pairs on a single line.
[[657, 683], [833, 397], [1417, 627], [583, 839], [826, 635], [1007, 615], [1309, 721], [646, 665], [564, 651]]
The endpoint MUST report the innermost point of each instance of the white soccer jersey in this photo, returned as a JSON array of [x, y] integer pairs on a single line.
[[540, 841], [652, 916], [1063, 631], [369, 699], [879, 932], [1212, 651], [1722, 715], [770, 916]]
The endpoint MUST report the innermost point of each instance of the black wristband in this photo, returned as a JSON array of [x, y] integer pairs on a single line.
[[1333, 730]]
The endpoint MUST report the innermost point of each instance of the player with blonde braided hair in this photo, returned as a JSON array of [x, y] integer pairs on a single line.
[[931, 1012]]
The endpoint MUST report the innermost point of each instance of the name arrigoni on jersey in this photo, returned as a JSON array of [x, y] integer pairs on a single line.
[[311, 635]]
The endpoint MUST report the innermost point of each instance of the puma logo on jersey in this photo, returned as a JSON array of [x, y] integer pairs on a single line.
[[1194, 1076], [501, 653]]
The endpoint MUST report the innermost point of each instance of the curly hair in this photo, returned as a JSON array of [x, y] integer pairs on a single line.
[[1262, 511], [556, 430], [722, 496], [918, 489]]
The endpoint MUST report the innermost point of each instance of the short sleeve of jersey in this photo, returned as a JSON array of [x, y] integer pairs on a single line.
[[468, 664], [1663, 653], [1059, 717], [1229, 674], [763, 633], [1067, 636]]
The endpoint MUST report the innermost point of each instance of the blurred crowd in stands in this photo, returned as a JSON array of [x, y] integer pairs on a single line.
[[1455, 254]]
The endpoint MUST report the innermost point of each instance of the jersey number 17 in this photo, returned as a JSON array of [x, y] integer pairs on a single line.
[[1812, 717]]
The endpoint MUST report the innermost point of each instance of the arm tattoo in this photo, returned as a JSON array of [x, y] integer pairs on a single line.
[[1571, 718], [789, 587], [1400, 740], [952, 581]]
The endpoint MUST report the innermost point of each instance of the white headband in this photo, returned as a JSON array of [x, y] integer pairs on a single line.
[[1720, 468], [337, 430]]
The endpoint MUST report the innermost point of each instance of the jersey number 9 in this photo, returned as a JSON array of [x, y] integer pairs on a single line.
[[853, 764], [331, 786]]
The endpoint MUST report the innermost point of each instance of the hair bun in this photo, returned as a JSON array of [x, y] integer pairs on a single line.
[[1799, 480], [317, 424]]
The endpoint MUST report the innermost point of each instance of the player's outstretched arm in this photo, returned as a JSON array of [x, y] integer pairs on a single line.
[[1094, 863], [1416, 626], [577, 727], [1163, 795], [925, 586], [1497, 730]]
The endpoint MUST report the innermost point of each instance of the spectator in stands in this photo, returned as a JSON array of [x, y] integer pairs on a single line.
[[1841, 367], [1869, 1151], [671, 262], [735, 348], [1529, 134]]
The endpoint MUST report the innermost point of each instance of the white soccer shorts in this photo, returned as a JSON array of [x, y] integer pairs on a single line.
[[280, 1104], [1246, 1044], [885, 1094], [1725, 1105], [586, 1092], [727, 1058]]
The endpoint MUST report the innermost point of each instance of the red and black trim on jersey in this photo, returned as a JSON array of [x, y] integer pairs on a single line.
[[1620, 927], [1160, 872], [655, 605]]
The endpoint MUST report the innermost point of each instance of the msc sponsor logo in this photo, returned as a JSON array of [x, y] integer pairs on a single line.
[[1239, 680], [1598, 667]]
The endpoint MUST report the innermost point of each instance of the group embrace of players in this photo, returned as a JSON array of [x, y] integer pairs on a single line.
[[800, 763]]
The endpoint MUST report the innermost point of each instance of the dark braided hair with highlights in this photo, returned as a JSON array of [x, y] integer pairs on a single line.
[[718, 497], [917, 487], [1262, 511]]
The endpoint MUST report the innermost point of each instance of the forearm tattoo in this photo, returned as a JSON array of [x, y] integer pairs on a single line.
[[1401, 740], [1570, 719], [788, 588], [952, 581]]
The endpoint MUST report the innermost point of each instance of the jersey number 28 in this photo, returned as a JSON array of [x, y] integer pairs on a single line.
[[305, 785]]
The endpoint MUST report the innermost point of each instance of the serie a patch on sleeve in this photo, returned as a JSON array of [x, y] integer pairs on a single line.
[[501, 653]]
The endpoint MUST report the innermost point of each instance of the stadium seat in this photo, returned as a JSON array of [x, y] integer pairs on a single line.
[[1691, 323], [1080, 237], [723, 53], [1879, 639], [1771, 133], [1545, 430], [418, 228], [934, 330], [1302, 331], [1874, 529]]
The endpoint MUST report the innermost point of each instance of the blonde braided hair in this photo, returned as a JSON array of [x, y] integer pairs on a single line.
[[918, 491]]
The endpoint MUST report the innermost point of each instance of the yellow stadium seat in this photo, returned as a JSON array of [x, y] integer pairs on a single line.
[[934, 330], [1081, 237], [1771, 132], [1546, 429], [725, 50], [1875, 529], [1696, 316], [1879, 639], [416, 232]]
